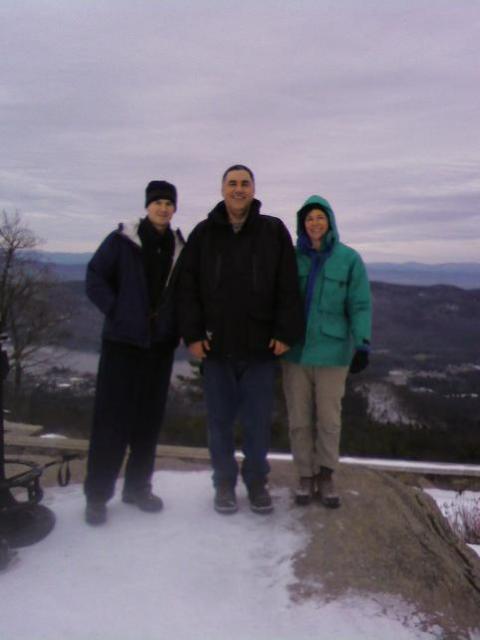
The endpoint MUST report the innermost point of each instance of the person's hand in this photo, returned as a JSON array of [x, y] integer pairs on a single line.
[[278, 347], [359, 361], [199, 349]]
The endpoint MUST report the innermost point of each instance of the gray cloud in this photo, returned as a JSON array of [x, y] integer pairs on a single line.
[[374, 105]]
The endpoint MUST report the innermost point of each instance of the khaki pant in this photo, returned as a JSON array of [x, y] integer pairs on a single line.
[[314, 404]]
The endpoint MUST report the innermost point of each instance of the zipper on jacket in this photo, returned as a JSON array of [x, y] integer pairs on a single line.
[[179, 244], [218, 269], [254, 273]]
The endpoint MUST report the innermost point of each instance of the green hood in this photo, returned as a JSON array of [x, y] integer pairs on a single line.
[[332, 236]]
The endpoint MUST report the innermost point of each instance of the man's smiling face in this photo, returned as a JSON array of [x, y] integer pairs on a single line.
[[238, 191]]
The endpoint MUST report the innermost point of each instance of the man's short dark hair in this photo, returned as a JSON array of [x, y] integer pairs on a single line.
[[238, 167]]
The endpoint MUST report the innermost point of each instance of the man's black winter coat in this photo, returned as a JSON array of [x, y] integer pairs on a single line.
[[240, 290]]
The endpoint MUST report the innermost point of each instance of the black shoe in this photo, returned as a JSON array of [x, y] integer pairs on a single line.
[[260, 499], [225, 501], [95, 513], [145, 500]]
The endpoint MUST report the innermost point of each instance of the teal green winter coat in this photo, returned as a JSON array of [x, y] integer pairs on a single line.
[[339, 317]]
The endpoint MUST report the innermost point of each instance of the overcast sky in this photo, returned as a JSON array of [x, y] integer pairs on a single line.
[[373, 104]]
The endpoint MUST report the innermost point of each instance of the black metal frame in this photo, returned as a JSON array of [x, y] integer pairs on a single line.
[[24, 522]]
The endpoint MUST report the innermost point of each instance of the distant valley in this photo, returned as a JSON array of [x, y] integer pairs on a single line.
[[424, 374]]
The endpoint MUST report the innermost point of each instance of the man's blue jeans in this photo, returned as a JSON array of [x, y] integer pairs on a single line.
[[244, 390]]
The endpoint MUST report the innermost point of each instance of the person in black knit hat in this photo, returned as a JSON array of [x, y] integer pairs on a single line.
[[131, 279], [160, 190]]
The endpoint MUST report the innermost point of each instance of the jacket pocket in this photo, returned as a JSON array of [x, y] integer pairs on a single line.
[[335, 325], [260, 329], [334, 293]]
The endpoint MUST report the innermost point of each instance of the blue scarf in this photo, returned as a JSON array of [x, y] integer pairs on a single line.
[[318, 259]]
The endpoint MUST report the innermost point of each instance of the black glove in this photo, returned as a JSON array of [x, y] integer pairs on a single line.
[[359, 361], [4, 365]]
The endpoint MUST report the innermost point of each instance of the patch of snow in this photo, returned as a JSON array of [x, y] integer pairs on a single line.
[[445, 497], [398, 377], [476, 548], [184, 369], [187, 573], [435, 375], [383, 405], [461, 395], [53, 435], [450, 502], [401, 377], [462, 368]]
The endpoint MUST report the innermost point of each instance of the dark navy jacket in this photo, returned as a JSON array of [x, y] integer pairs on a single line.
[[117, 285]]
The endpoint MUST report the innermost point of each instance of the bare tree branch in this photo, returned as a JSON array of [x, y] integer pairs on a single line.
[[27, 312]]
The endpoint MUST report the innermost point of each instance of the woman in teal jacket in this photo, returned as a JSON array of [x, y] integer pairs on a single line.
[[336, 295]]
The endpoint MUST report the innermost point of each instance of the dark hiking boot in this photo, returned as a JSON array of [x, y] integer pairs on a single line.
[[95, 513], [326, 489], [145, 500], [260, 499], [225, 501], [304, 491]]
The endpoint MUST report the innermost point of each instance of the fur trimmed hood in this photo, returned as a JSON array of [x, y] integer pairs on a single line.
[[129, 230]]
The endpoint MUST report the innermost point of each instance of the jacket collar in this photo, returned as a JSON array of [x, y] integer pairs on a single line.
[[219, 213], [129, 230]]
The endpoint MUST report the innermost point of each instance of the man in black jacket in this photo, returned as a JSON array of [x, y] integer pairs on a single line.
[[131, 280], [239, 309]]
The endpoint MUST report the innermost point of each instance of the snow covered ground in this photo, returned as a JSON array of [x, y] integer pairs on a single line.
[[184, 574], [452, 503]]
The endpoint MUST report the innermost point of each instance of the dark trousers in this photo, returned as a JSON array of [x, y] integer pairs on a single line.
[[132, 386], [244, 390]]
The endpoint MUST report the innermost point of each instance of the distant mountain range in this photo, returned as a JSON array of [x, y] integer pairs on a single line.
[[465, 275], [62, 258], [438, 324], [71, 266]]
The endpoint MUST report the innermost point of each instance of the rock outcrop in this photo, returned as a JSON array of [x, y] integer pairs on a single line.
[[389, 540]]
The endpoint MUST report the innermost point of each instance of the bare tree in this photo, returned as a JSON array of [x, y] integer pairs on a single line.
[[27, 313], [14, 238]]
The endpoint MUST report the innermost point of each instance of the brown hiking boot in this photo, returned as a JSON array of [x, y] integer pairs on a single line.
[[326, 489], [304, 491]]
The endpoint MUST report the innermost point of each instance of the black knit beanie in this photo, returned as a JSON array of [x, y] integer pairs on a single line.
[[160, 190]]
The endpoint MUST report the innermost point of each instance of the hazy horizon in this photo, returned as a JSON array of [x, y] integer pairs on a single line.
[[371, 262]]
